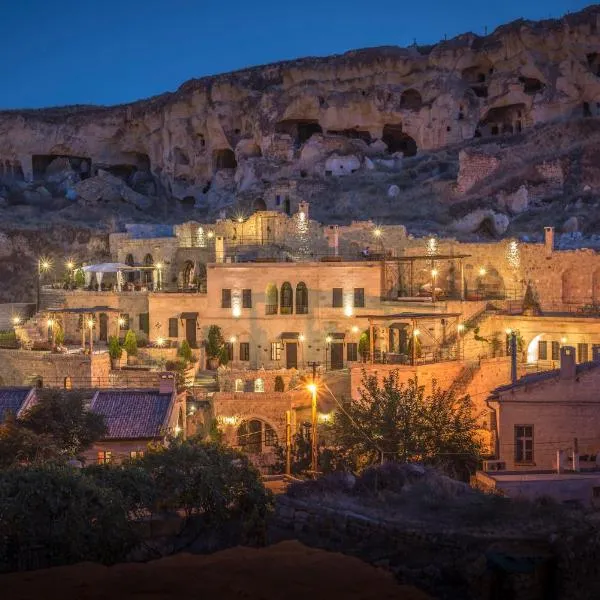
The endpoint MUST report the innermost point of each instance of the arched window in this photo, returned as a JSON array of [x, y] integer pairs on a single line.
[[148, 262], [188, 274], [68, 383], [129, 261], [256, 436], [259, 385], [271, 300], [301, 299], [239, 385], [287, 299]]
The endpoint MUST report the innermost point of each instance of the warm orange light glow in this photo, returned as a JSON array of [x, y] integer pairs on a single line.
[[16, 320], [328, 339], [434, 272], [160, 342], [377, 232], [416, 332], [301, 337], [482, 271], [312, 388]]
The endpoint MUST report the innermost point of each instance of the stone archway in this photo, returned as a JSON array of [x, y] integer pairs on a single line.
[[255, 436]]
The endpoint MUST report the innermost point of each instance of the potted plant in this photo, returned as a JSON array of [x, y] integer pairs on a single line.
[[115, 351], [214, 346], [185, 352], [131, 347]]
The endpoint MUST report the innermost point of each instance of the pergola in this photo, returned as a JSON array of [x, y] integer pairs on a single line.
[[410, 320], [89, 315], [406, 270], [119, 268]]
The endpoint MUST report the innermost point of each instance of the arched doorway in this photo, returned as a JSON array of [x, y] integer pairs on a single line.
[[287, 299], [188, 274], [255, 436], [148, 262], [260, 204], [301, 299], [130, 262], [536, 349], [271, 299]]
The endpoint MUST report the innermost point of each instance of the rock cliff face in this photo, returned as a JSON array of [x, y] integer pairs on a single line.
[[243, 132]]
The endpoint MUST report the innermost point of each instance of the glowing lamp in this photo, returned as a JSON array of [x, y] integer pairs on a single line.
[[508, 331], [434, 272], [416, 332], [90, 323], [159, 265], [50, 322], [312, 388], [348, 310], [325, 417], [210, 234], [377, 232], [563, 340], [160, 342], [44, 264], [301, 337], [482, 272], [70, 265], [236, 311], [328, 339], [460, 327], [16, 320], [232, 339], [121, 321], [177, 430], [355, 329]]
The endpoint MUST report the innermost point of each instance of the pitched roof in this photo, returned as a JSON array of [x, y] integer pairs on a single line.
[[133, 414], [13, 400], [543, 376]]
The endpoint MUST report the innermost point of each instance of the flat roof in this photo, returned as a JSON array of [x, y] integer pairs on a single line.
[[428, 257], [83, 310]]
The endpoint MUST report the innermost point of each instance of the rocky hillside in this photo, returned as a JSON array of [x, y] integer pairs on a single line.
[[477, 135]]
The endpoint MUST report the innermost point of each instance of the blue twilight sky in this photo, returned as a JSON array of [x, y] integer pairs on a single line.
[[113, 51]]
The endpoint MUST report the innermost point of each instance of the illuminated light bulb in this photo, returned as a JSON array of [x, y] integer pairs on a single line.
[[312, 388], [508, 331], [563, 340], [121, 321], [50, 322], [460, 327], [301, 337], [240, 219], [160, 341], [70, 265], [328, 339], [210, 234], [434, 272], [16, 320], [482, 272], [355, 329], [377, 232], [232, 339], [159, 265], [416, 332], [90, 323]]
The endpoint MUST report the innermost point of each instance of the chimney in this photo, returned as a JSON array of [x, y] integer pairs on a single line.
[[334, 238], [549, 241], [167, 383], [219, 249], [568, 369]]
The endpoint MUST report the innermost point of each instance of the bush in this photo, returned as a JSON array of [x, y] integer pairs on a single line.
[[59, 337], [114, 348], [214, 342], [185, 352], [131, 346]]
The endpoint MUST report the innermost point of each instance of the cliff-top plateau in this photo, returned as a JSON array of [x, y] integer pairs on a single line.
[[475, 136]]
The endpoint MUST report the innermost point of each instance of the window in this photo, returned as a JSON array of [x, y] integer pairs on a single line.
[[582, 353], [338, 294], [301, 299], [229, 349], [270, 436], [259, 385], [275, 350], [271, 299], [136, 454], [542, 350], [104, 457], [277, 200], [239, 385], [359, 297], [555, 351], [287, 299], [246, 298], [174, 327], [145, 323], [123, 322], [523, 443], [352, 351], [244, 350], [68, 383], [225, 298]]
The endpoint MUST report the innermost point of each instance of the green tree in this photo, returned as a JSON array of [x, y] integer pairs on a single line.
[[185, 352], [393, 421], [130, 345], [79, 278], [64, 419], [214, 342], [19, 445], [114, 348]]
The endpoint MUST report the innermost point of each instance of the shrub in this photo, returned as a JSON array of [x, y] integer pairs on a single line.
[[59, 337], [131, 346], [114, 348], [185, 352], [214, 342]]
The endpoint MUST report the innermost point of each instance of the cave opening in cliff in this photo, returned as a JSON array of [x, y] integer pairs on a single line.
[[531, 85], [353, 134], [188, 202], [224, 159], [180, 156], [503, 120], [123, 172], [260, 204], [411, 99], [593, 61], [301, 130], [477, 77], [398, 141], [79, 164]]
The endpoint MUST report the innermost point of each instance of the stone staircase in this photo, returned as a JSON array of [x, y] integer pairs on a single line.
[[52, 298], [31, 331], [465, 377], [205, 384]]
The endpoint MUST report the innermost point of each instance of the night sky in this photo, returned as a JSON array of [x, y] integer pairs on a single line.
[[109, 51]]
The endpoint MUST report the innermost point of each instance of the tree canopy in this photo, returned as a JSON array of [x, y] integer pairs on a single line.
[[393, 421]]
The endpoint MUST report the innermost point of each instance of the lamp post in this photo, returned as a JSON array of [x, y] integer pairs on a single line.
[[328, 340], [312, 388], [43, 266], [51, 326], [434, 274]]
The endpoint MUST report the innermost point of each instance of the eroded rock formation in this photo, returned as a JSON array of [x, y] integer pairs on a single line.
[[245, 131]]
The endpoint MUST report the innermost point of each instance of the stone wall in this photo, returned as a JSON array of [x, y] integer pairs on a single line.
[[473, 168]]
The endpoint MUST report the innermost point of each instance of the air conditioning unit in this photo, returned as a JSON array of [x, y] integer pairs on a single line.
[[494, 465]]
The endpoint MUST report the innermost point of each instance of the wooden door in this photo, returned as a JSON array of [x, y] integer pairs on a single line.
[[190, 332], [337, 356], [291, 355], [103, 336]]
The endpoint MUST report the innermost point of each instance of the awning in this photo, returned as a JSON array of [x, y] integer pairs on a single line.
[[290, 335], [337, 336], [106, 268], [188, 315]]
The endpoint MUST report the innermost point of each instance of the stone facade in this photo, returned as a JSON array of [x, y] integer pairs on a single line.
[[473, 168]]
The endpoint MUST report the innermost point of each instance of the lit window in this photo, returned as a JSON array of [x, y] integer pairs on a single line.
[[246, 298], [245, 351], [352, 350], [239, 385], [359, 297], [104, 457], [259, 385], [225, 298], [582, 353], [275, 350], [136, 454]]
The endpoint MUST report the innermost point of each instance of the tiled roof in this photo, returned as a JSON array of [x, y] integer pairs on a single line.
[[543, 376], [12, 400], [133, 414]]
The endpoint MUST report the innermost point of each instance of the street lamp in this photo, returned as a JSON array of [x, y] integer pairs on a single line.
[[328, 341], [312, 388], [434, 274]]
